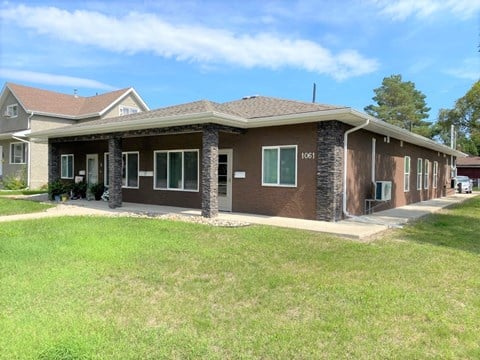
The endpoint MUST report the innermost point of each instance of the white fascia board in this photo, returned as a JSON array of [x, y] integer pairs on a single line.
[[6, 136], [61, 116], [148, 123], [22, 133], [123, 96]]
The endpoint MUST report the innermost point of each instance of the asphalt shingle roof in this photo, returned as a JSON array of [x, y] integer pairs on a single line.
[[50, 102], [471, 161]]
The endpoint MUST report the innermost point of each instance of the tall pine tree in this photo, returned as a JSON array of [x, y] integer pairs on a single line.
[[400, 104]]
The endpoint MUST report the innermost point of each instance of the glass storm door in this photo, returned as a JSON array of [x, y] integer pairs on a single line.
[[92, 169], [225, 180]]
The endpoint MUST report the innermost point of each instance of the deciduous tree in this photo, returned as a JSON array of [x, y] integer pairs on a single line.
[[465, 117]]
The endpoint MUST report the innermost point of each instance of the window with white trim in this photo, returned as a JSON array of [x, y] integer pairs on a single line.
[[419, 173], [406, 174], [426, 181], [66, 166], [18, 153], [279, 165], [176, 170], [127, 110], [130, 166], [435, 174], [12, 111]]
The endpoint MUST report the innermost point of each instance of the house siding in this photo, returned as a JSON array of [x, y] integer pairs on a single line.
[[319, 190], [12, 124], [390, 167], [127, 101]]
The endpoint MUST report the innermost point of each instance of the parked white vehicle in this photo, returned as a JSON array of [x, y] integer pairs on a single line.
[[464, 184]]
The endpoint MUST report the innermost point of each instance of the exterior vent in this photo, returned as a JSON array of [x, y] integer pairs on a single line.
[[383, 190]]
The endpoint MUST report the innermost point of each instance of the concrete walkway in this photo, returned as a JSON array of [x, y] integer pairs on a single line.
[[359, 228]]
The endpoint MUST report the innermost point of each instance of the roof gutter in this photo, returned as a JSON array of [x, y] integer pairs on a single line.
[[345, 163]]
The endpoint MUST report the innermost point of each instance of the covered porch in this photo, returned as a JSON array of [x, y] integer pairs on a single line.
[[208, 162]]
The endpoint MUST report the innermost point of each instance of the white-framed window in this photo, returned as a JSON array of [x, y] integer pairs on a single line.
[[18, 153], [406, 174], [279, 165], [12, 111], [435, 174], [127, 110], [106, 169], [176, 170], [419, 173], [426, 174], [130, 167], [66, 166]]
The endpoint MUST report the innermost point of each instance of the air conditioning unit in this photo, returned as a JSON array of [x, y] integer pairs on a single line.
[[383, 190], [7, 113]]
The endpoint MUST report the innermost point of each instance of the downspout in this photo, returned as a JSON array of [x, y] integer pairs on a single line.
[[345, 163]]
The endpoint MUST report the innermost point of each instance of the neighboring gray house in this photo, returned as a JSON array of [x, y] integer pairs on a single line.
[[26, 109]]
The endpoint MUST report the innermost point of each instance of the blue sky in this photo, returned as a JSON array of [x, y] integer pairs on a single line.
[[174, 52]]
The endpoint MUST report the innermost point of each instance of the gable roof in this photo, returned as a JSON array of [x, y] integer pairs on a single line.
[[45, 102], [470, 161], [249, 112]]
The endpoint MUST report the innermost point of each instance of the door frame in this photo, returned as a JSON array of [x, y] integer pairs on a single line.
[[91, 156], [226, 205]]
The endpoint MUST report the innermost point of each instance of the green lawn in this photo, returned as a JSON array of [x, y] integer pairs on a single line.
[[21, 192], [11, 207], [130, 288]]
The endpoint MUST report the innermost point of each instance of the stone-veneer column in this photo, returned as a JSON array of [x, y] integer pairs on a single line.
[[53, 162], [330, 170], [115, 171], [210, 171]]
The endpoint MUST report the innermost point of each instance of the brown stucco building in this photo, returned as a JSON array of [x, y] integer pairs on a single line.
[[256, 155]]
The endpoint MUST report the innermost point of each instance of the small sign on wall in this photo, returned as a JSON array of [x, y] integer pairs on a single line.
[[145, 173], [239, 174], [308, 155]]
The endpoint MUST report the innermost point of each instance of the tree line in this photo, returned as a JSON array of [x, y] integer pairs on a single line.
[[399, 103]]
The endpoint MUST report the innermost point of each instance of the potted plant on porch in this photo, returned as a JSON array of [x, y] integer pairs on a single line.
[[55, 190], [97, 190]]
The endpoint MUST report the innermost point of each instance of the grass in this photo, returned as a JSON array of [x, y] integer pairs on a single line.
[[129, 288], [21, 192], [12, 207]]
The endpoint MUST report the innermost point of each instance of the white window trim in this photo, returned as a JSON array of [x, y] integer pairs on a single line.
[[73, 166], [278, 147], [419, 173], [24, 155], [426, 174], [126, 170], [435, 174], [168, 170], [406, 184], [9, 111], [129, 108]]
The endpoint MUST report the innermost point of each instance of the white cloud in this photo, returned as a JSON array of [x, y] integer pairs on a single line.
[[470, 70], [140, 32], [52, 79], [402, 9]]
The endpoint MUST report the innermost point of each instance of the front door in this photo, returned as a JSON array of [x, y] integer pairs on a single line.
[[225, 180], [92, 169]]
